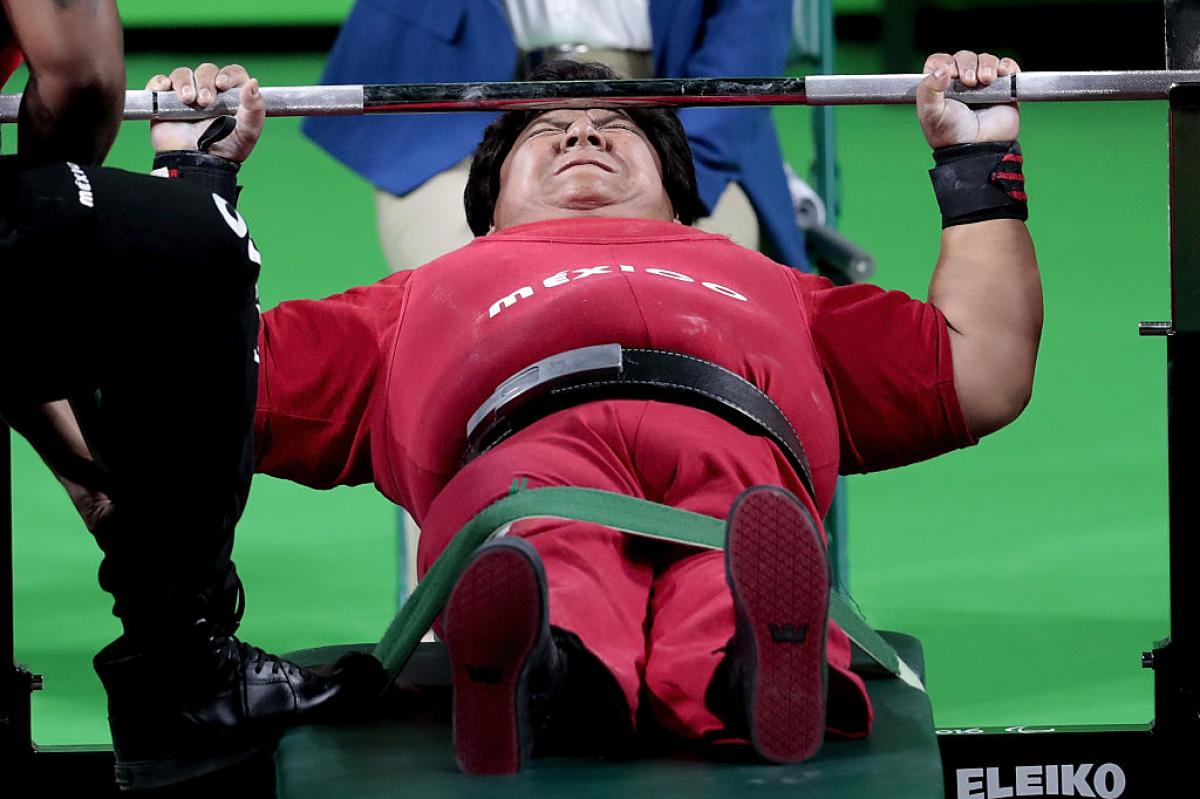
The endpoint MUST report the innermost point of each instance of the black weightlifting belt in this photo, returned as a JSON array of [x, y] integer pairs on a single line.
[[609, 371]]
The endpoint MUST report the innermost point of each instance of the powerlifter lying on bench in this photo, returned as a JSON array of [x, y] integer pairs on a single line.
[[588, 337]]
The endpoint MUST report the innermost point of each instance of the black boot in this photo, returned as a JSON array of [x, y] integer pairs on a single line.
[[197, 700]]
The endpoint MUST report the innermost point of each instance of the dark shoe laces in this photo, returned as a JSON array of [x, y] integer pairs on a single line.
[[236, 651], [264, 660], [234, 654], [247, 652]]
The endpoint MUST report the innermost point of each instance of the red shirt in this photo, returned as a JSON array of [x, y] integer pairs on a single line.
[[377, 384]]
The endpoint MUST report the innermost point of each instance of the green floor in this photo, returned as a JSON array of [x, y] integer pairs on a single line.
[[1033, 567]]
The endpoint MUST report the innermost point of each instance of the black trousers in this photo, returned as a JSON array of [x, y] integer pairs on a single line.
[[135, 297]]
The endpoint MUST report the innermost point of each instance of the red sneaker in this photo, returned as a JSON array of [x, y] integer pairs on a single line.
[[776, 567], [502, 653]]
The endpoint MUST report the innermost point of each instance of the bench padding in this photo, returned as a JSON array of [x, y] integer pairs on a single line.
[[408, 752]]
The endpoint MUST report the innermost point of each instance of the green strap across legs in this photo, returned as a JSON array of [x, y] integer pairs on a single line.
[[628, 514]]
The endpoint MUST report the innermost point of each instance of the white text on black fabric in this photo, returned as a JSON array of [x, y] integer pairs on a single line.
[[82, 183]]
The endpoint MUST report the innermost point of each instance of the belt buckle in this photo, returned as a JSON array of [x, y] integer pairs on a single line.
[[541, 377]]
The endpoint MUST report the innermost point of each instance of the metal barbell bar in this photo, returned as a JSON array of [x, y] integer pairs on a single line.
[[661, 93]]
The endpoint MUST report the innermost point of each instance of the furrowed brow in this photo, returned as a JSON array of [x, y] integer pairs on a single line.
[[608, 115], [556, 118]]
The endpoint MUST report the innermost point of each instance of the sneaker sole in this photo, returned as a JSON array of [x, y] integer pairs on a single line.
[[148, 774], [777, 570], [492, 623]]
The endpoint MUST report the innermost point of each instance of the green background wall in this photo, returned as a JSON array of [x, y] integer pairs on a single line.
[[147, 13]]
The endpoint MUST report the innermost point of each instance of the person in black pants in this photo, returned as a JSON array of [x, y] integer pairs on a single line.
[[135, 297]]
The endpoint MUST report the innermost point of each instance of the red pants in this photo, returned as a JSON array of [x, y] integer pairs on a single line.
[[657, 615]]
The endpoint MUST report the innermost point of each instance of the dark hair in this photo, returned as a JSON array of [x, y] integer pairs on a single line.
[[661, 126]]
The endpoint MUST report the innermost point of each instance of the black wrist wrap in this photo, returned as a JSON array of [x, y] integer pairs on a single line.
[[975, 182], [209, 172]]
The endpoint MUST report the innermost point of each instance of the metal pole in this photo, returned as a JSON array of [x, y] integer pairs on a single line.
[[1177, 698], [659, 93], [16, 745], [1177, 690], [6, 552]]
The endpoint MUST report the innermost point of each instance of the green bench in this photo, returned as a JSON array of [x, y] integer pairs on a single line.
[[408, 747], [408, 751]]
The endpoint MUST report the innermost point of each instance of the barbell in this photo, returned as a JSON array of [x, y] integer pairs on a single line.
[[813, 90]]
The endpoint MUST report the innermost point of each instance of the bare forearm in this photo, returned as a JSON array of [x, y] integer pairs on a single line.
[[73, 100], [987, 285], [65, 122], [54, 433]]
